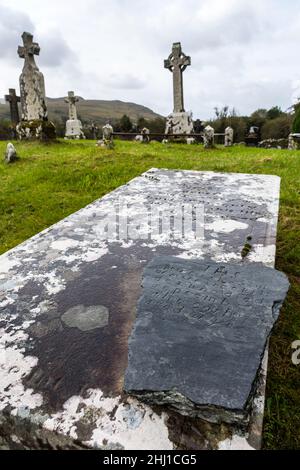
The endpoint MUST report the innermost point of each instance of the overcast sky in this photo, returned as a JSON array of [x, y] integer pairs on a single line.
[[244, 53]]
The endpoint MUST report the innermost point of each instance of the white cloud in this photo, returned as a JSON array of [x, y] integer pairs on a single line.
[[244, 53]]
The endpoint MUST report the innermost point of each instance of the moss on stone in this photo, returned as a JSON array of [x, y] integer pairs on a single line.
[[36, 130]]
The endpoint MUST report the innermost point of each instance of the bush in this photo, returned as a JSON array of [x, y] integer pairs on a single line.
[[296, 123], [277, 128]]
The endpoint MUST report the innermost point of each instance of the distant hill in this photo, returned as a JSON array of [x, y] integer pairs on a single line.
[[98, 111]]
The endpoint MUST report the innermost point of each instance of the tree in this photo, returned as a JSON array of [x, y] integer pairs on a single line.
[[277, 128], [296, 123], [274, 112], [125, 123]]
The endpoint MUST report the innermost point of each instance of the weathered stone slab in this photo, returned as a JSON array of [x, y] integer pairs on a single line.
[[64, 376], [200, 335]]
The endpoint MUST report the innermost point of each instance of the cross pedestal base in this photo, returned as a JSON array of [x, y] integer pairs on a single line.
[[179, 123]]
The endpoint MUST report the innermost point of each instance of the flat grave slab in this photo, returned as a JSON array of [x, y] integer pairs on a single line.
[[68, 300], [200, 335]]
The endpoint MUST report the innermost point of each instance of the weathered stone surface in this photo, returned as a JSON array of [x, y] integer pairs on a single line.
[[13, 101], [179, 123], [36, 130], [34, 121], [10, 154], [68, 383], [200, 335]]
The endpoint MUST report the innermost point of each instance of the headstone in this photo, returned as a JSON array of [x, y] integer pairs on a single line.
[[208, 137], [200, 334], [34, 122], [13, 101], [145, 135], [294, 142], [10, 154], [190, 140], [253, 137], [68, 300], [229, 136], [179, 122], [107, 138], [73, 124]]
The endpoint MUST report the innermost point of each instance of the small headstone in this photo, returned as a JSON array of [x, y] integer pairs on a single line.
[[294, 141], [229, 136], [190, 140], [200, 334], [208, 137], [10, 154], [107, 137], [73, 124], [179, 122], [145, 135]]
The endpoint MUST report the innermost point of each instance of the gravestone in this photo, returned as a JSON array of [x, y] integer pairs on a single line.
[[13, 101], [68, 299], [208, 137], [179, 122], [145, 135], [10, 154], [107, 137], [200, 335], [229, 136], [73, 124], [34, 121], [294, 142]]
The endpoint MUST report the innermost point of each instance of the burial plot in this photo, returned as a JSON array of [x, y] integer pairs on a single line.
[[68, 300]]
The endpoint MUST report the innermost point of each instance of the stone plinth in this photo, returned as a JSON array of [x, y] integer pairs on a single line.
[[179, 123], [68, 299], [74, 129], [36, 130]]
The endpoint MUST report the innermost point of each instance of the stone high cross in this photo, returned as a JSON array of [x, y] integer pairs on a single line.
[[32, 84], [13, 101], [177, 62], [72, 100]]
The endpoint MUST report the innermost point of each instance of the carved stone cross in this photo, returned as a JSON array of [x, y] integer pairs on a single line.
[[72, 100], [13, 101], [29, 50], [177, 62]]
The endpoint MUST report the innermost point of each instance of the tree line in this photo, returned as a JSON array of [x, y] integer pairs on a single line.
[[273, 124]]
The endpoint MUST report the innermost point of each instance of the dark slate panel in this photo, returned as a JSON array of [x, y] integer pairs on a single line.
[[200, 334]]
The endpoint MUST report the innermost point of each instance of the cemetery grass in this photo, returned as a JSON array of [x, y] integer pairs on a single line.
[[49, 182]]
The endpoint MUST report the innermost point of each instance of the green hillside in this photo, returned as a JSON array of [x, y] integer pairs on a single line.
[[98, 111]]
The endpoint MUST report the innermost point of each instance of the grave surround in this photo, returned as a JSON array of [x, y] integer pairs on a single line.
[[64, 376]]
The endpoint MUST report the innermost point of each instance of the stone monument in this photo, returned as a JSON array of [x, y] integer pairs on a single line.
[[10, 154], [294, 142], [145, 135], [73, 124], [229, 136], [34, 120], [13, 101], [208, 137], [107, 137], [178, 122]]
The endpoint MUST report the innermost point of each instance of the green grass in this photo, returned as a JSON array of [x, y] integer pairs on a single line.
[[50, 182]]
